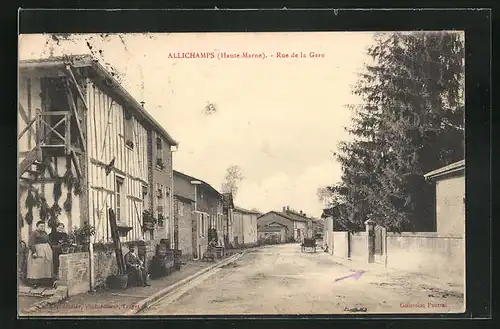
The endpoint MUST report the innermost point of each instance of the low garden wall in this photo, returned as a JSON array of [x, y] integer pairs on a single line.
[[429, 253], [74, 268], [441, 256]]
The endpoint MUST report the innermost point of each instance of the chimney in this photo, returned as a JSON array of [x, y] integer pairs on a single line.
[[284, 208], [301, 213], [142, 104], [287, 208]]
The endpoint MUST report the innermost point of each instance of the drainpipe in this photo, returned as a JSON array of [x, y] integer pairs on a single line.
[[171, 197], [196, 183]]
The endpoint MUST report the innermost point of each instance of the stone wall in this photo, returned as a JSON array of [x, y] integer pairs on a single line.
[[359, 245], [104, 266], [340, 243], [429, 253], [438, 255], [74, 269], [74, 272]]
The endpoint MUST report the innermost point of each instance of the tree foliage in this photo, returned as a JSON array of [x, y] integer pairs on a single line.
[[232, 179], [411, 122]]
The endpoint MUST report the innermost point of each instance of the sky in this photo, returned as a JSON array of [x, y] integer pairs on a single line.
[[279, 119]]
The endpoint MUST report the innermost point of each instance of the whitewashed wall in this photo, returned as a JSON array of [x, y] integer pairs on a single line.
[[30, 100], [106, 141], [250, 228], [68, 219]]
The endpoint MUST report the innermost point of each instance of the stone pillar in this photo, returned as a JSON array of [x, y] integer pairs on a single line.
[[370, 235]]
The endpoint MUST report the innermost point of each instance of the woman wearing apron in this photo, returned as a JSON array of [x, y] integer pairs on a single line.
[[40, 257]]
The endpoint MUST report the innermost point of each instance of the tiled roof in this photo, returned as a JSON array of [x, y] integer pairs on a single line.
[[288, 216], [191, 178], [243, 210]]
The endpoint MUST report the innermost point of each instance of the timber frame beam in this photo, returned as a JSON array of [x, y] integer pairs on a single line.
[[74, 112], [77, 86]]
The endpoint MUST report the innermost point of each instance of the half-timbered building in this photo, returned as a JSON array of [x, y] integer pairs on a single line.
[[86, 146]]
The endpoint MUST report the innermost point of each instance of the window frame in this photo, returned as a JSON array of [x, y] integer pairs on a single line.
[[128, 130], [119, 197], [159, 153]]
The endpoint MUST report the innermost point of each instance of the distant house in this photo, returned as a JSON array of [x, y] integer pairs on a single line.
[[245, 226], [207, 211], [273, 231], [184, 203], [297, 223], [318, 227], [450, 198]]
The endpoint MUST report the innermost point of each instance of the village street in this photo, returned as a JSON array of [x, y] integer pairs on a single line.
[[279, 279]]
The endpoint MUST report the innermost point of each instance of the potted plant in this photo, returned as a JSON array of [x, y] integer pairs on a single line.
[[82, 234]]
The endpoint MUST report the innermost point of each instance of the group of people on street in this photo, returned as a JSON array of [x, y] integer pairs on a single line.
[[43, 255], [42, 264]]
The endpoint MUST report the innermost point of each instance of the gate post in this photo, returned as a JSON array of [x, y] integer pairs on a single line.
[[370, 232]]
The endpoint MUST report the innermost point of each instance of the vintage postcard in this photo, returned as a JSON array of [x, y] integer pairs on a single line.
[[241, 173]]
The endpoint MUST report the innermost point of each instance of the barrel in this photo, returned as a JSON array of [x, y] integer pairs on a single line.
[[161, 250]]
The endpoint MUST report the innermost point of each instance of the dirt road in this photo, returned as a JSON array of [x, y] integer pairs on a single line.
[[280, 279]]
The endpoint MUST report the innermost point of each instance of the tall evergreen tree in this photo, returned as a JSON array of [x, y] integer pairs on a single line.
[[411, 122]]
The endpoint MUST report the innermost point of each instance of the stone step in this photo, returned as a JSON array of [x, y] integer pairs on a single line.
[[36, 292]]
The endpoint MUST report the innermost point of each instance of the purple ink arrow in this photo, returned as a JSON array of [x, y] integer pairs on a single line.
[[355, 275]]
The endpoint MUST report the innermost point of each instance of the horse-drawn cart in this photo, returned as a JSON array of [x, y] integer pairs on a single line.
[[308, 243]]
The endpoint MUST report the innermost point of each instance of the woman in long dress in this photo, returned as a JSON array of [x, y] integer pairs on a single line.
[[40, 260], [58, 239]]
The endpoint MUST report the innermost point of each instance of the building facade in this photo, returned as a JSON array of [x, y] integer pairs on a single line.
[[228, 219], [244, 227], [450, 198], [207, 212], [273, 231], [184, 196], [298, 224], [85, 148]]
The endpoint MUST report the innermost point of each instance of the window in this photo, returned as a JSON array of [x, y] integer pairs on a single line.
[[202, 224], [144, 197], [160, 161], [118, 197], [159, 204], [158, 144], [129, 130]]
